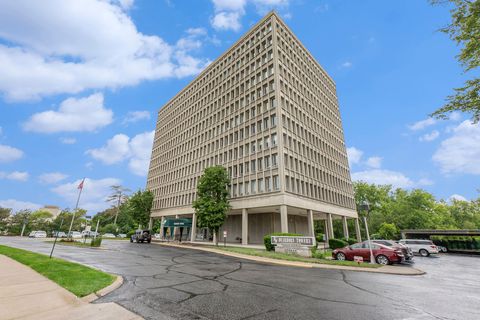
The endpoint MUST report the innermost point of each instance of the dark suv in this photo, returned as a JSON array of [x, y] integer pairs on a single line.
[[141, 236]]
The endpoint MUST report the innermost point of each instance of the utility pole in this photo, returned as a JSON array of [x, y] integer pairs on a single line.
[[56, 237], [80, 187], [25, 221]]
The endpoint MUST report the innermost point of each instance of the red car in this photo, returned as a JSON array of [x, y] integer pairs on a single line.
[[383, 254]]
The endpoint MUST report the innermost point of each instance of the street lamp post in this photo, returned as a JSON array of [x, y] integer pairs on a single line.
[[365, 206]]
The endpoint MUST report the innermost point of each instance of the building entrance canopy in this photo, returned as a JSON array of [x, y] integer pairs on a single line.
[[185, 222]]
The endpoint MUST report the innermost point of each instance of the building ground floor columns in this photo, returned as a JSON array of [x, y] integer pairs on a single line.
[[248, 226]]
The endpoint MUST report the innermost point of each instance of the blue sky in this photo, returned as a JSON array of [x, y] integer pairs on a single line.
[[81, 82]]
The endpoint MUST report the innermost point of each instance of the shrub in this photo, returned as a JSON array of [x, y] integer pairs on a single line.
[[319, 237], [96, 242], [267, 240], [350, 241], [336, 243], [130, 233]]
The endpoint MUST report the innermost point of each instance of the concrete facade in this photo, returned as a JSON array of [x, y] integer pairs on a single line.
[[268, 112]]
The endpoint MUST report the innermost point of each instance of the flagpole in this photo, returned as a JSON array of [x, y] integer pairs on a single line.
[[75, 211]]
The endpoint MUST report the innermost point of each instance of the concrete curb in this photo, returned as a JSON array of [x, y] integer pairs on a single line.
[[102, 292], [385, 269]]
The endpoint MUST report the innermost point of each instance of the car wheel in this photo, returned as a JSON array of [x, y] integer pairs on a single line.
[[424, 253], [381, 259], [340, 256], [444, 250]]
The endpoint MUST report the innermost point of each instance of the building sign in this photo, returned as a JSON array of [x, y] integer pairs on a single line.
[[358, 259], [225, 234], [186, 222], [285, 240], [294, 245]]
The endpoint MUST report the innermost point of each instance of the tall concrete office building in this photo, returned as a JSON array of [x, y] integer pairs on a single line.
[[268, 112]]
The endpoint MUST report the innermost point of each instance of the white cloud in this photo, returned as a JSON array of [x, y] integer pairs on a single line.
[[121, 148], [420, 125], [460, 153], [457, 197], [73, 115], [354, 155], [374, 162], [70, 46], [227, 21], [430, 136], [52, 177], [347, 64], [380, 176], [15, 175], [116, 150], [141, 147], [135, 116], [94, 193], [68, 140], [228, 13], [17, 205], [8, 154]]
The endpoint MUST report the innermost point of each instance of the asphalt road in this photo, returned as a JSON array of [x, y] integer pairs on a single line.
[[171, 283]]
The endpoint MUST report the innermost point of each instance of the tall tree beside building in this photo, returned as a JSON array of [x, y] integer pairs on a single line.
[[140, 206], [212, 203], [464, 29]]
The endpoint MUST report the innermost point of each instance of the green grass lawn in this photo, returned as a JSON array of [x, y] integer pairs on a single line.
[[76, 278], [289, 257]]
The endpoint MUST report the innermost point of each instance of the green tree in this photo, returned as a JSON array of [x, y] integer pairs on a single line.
[[387, 231], [212, 203], [18, 219], [4, 216], [41, 220], [118, 196], [66, 215], [140, 206], [464, 29]]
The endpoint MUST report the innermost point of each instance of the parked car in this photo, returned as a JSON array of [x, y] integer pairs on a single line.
[[442, 249], [422, 247], [407, 252], [61, 234], [37, 234], [121, 235], [74, 235], [141, 236], [157, 236], [108, 235], [382, 254]]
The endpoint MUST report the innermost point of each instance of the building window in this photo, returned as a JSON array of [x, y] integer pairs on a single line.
[[253, 186], [261, 187], [274, 160]]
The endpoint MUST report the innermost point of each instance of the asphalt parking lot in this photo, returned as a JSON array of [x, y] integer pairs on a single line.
[[171, 283]]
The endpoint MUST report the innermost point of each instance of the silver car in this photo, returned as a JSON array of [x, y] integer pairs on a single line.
[[422, 247]]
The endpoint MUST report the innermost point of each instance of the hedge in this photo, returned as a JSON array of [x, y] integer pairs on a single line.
[[319, 237], [350, 241], [337, 243], [96, 242], [267, 240], [457, 242]]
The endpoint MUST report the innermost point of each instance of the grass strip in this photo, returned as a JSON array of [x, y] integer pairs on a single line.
[[76, 278], [289, 257]]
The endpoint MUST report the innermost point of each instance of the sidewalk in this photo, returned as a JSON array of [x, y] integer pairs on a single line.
[[25, 294], [405, 271]]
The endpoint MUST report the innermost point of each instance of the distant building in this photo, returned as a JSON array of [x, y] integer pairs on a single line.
[[54, 210], [268, 112]]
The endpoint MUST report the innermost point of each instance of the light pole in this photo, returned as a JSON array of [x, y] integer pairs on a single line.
[[365, 206]]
